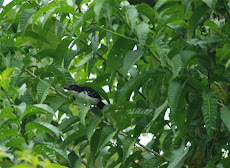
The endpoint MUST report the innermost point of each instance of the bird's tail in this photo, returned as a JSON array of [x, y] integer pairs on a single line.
[[101, 105]]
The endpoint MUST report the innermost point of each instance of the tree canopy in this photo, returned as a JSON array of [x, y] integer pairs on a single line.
[[162, 67]]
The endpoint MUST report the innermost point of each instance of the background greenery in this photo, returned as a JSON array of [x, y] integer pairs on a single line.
[[151, 55]]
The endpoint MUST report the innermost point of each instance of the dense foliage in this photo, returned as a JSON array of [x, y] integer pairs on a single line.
[[164, 66]]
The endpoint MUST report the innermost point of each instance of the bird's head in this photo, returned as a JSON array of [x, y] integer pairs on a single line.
[[71, 87]]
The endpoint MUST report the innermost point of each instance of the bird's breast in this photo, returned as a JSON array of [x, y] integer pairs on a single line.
[[84, 97]]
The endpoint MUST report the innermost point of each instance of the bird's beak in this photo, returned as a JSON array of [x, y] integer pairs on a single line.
[[66, 87]]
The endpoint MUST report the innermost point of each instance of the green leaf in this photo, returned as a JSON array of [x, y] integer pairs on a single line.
[[85, 60], [134, 84], [41, 11], [174, 91], [161, 48], [8, 7], [141, 111], [5, 77], [211, 3], [195, 19], [54, 147], [58, 102], [128, 145], [132, 15], [1, 2], [61, 74], [146, 10], [142, 32], [64, 126], [95, 120], [9, 132], [160, 109], [43, 127], [225, 116], [177, 65], [34, 35], [131, 58], [83, 110], [178, 157], [78, 163], [76, 26], [7, 112], [25, 16], [94, 38], [209, 109], [43, 90], [37, 109], [97, 8], [107, 134], [227, 64], [61, 49]]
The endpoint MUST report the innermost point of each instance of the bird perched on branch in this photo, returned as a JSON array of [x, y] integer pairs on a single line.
[[85, 95]]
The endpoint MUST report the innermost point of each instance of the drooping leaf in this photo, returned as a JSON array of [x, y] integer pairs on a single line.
[[160, 109], [131, 58], [173, 94], [141, 111], [64, 126], [161, 48], [97, 8], [142, 32], [195, 19], [177, 65], [107, 133], [85, 60], [146, 10], [128, 145], [9, 7], [37, 109], [25, 16], [209, 109], [94, 38], [61, 49], [178, 157], [5, 77], [225, 116], [54, 147], [43, 127], [43, 90], [134, 84], [132, 15], [211, 3], [58, 102], [95, 120], [83, 110], [43, 10]]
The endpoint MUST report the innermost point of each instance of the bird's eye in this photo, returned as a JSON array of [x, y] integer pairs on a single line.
[[72, 87]]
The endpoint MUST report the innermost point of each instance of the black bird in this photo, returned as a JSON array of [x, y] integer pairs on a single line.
[[85, 95]]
